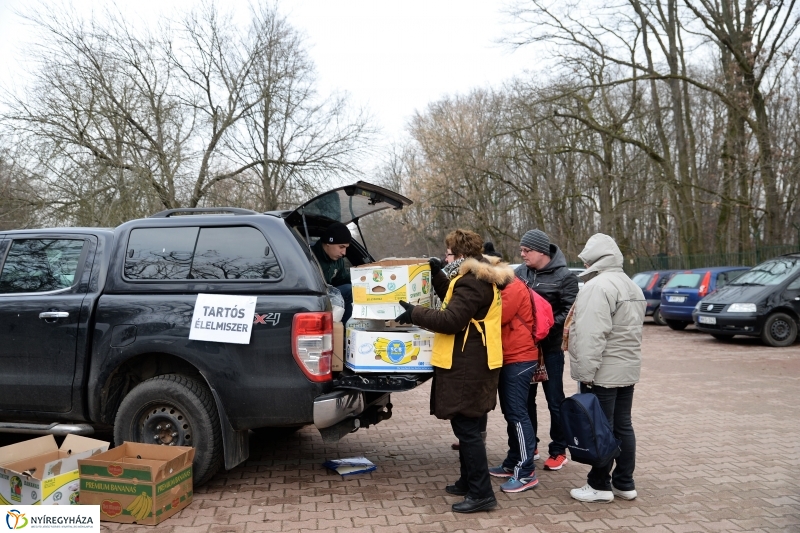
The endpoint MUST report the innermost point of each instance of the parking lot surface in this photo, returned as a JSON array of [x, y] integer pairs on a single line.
[[718, 436]]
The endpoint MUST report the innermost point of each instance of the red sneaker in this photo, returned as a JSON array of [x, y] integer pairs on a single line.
[[555, 462]]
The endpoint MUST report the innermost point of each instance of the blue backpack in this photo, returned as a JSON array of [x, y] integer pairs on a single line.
[[589, 436]]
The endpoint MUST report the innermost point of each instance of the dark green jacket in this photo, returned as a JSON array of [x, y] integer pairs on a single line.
[[335, 272]]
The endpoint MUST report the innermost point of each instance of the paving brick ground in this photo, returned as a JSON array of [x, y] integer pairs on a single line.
[[718, 437]]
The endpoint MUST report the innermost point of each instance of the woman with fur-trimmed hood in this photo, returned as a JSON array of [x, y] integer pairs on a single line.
[[467, 355]]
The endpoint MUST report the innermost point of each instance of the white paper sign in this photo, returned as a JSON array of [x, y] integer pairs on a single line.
[[223, 318]]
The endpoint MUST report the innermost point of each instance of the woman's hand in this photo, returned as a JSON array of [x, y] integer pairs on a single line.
[[405, 318], [436, 265]]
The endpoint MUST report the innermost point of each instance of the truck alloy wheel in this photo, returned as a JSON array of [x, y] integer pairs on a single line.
[[779, 330], [173, 410]]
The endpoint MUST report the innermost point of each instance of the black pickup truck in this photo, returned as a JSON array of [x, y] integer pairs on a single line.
[[95, 329]]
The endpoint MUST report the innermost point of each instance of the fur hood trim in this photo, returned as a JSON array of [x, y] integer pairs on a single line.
[[490, 270]]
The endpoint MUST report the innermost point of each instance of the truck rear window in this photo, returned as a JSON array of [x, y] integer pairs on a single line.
[[234, 253], [231, 253]]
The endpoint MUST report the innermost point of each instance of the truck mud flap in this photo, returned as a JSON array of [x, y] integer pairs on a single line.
[[347, 379], [235, 444]]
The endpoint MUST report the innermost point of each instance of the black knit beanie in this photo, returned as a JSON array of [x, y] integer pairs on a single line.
[[536, 239], [336, 233]]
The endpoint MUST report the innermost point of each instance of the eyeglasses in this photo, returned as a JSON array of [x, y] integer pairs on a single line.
[[525, 251]]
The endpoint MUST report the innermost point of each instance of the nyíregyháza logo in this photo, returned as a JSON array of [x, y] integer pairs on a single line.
[[16, 519]]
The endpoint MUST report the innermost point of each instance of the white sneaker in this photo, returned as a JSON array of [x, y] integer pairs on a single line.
[[624, 494], [588, 494]]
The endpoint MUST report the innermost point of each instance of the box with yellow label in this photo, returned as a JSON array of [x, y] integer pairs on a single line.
[[391, 280], [398, 350], [141, 483], [38, 472]]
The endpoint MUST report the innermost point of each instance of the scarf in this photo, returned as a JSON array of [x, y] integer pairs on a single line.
[[451, 270]]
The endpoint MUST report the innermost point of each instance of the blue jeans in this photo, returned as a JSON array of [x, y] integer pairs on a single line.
[[554, 394], [347, 294], [616, 403], [515, 380]]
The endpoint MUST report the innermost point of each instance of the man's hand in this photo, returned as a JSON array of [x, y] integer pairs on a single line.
[[405, 318]]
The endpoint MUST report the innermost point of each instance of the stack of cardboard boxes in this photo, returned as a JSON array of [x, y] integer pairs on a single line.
[[372, 344]]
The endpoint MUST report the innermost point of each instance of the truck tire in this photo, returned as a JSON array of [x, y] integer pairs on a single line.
[[173, 410], [657, 318], [677, 325], [779, 330]]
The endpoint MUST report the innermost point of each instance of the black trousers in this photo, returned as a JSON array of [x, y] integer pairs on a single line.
[[616, 403], [472, 456]]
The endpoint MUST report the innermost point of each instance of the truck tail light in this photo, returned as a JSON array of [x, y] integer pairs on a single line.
[[312, 344], [704, 284], [652, 282]]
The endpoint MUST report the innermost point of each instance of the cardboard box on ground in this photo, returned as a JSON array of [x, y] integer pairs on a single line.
[[37, 471], [141, 483]]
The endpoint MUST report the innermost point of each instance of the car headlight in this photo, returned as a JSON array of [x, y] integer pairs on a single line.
[[742, 308]]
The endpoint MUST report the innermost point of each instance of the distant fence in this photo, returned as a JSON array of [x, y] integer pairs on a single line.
[[680, 262]]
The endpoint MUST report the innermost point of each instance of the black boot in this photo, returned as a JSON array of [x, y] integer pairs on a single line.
[[471, 506], [457, 489]]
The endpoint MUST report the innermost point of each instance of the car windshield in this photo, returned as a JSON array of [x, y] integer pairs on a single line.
[[642, 279], [772, 272], [686, 280]]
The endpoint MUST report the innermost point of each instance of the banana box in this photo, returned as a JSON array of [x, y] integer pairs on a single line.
[[141, 483], [390, 280], [38, 472], [398, 350]]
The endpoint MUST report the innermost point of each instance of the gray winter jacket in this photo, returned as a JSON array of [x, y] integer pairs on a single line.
[[605, 336]]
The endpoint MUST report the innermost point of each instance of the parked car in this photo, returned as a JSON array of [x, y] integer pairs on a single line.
[[577, 271], [685, 289], [99, 329], [764, 302], [651, 282]]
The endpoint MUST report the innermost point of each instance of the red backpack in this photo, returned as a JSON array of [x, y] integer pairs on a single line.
[[542, 315]]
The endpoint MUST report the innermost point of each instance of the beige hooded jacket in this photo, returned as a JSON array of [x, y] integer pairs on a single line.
[[605, 336]]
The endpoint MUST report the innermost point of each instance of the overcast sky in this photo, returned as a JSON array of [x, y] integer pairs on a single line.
[[392, 56]]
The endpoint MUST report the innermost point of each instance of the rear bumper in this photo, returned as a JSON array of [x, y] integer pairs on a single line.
[[677, 312], [734, 324], [332, 408]]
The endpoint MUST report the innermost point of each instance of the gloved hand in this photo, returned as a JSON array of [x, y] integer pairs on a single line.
[[405, 318], [436, 265]]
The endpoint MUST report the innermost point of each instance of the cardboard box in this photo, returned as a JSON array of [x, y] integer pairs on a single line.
[[391, 280], [337, 361], [141, 483], [400, 350], [377, 311], [37, 471], [366, 324]]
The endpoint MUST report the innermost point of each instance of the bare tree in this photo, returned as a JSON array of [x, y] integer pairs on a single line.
[[126, 118]]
